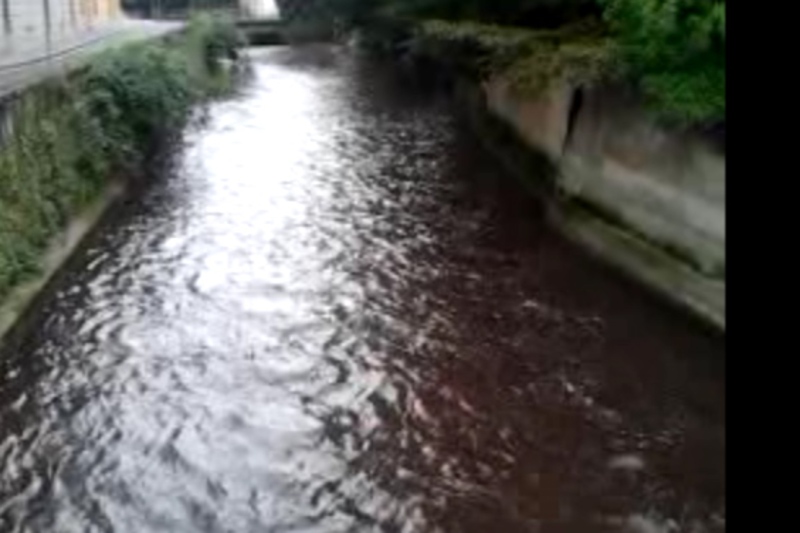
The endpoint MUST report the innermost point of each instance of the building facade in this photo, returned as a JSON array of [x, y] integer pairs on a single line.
[[55, 18], [258, 9]]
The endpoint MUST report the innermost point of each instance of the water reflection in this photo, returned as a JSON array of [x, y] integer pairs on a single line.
[[332, 314]]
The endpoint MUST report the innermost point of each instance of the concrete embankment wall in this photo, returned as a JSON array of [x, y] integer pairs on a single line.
[[47, 204], [59, 173], [645, 198]]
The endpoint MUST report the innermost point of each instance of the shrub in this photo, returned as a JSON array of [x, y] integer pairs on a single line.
[[676, 49], [70, 134], [50, 168], [214, 38], [138, 91]]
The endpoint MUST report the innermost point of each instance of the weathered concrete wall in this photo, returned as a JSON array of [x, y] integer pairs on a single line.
[[541, 122], [669, 186], [648, 199], [59, 249]]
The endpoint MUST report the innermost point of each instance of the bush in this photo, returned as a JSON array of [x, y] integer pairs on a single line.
[[71, 134], [676, 49], [530, 59], [139, 91], [673, 49], [51, 167]]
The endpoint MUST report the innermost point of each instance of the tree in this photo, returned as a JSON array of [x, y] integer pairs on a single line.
[[677, 50]]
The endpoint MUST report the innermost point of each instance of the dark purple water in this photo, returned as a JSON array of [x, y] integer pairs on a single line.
[[332, 313]]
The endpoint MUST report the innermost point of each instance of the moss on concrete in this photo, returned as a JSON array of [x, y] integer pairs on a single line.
[[50, 168], [531, 59]]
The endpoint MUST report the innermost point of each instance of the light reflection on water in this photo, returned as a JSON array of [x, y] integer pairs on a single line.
[[332, 314]]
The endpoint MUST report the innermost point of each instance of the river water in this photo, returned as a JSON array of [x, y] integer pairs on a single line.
[[331, 313]]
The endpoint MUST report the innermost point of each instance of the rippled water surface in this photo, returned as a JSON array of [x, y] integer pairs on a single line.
[[331, 313]]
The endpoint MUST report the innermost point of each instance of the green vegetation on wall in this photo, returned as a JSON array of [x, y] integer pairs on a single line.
[[673, 50], [70, 136], [580, 53], [676, 49]]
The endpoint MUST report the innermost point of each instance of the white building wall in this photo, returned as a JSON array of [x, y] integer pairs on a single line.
[[61, 23], [259, 8], [27, 17]]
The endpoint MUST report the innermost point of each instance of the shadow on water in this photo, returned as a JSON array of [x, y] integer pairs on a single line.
[[331, 313]]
